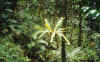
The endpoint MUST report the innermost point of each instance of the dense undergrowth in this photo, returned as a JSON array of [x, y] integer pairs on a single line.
[[33, 31]]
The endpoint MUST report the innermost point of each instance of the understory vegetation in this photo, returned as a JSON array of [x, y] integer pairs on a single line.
[[49, 30]]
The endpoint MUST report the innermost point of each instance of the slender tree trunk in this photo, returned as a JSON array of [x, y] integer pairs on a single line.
[[63, 51], [80, 25], [64, 13], [14, 4], [80, 33]]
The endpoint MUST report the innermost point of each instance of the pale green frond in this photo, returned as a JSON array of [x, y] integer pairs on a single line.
[[39, 32], [47, 25], [59, 23], [61, 30], [62, 35], [43, 33], [36, 34], [52, 36], [59, 33], [68, 42], [43, 42]]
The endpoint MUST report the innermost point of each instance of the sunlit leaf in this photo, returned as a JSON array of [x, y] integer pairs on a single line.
[[47, 25], [52, 36], [43, 33], [68, 42], [59, 23]]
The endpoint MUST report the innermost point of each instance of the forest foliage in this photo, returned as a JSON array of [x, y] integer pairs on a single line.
[[49, 31]]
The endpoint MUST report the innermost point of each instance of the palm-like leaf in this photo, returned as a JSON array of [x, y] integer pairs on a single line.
[[59, 23], [43, 33], [52, 36], [47, 25], [57, 30]]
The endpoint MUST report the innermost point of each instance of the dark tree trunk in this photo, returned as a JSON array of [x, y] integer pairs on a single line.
[[63, 51], [14, 4], [80, 25], [80, 33], [64, 14]]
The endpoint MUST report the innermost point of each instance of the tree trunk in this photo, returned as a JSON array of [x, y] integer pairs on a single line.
[[64, 13], [63, 51], [80, 25]]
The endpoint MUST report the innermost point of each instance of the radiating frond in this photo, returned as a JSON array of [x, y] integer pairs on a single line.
[[56, 31], [62, 35], [47, 25], [36, 34], [43, 33], [61, 30], [39, 32], [52, 36], [68, 42], [59, 23]]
